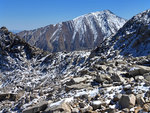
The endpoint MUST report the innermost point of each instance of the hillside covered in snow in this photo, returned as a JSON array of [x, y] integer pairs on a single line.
[[114, 77], [133, 39]]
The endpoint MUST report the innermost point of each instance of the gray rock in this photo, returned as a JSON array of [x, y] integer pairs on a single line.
[[140, 100], [127, 101], [147, 94], [139, 78], [106, 84], [117, 83], [75, 110], [76, 80], [139, 70], [147, 76], [101, 78], [76, 87], [37, 108], [127, 87], [117, 78], [84, 72], [86, 109], [101, 67], [126, 110], [63, 107], [96, 104], [146, 107], [117, 97]]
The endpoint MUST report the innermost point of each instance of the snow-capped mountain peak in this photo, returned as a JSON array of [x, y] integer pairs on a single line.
[[132, 39], [105, 19], [84, 32]]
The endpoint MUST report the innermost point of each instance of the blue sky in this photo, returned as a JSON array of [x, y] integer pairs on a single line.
[[30, 14]]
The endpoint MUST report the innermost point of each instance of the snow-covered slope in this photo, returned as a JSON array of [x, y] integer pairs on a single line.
[[25, 68], [84, 32], [19, 58], [132, 39], [35, 81], [15, 57]]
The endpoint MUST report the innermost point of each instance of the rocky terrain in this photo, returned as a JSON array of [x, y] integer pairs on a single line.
[[82, 33], [105, 80]]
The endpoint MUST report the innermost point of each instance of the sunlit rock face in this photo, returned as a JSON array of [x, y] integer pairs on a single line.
[[84, 32]]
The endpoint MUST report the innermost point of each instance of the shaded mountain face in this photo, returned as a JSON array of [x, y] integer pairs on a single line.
[[14, 51], [133, 39], [84, 32]]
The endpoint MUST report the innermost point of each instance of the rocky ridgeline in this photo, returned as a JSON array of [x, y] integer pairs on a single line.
[[12, 47], [131, 40], [72, 82]]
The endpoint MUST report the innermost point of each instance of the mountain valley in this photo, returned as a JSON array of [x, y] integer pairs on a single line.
[[113, 76]]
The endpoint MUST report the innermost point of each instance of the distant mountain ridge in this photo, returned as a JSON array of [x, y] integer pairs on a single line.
[[84, 32], [133, 39]]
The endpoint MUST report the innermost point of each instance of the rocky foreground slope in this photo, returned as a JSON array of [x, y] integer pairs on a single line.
[[72, 82], [82, 33]]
